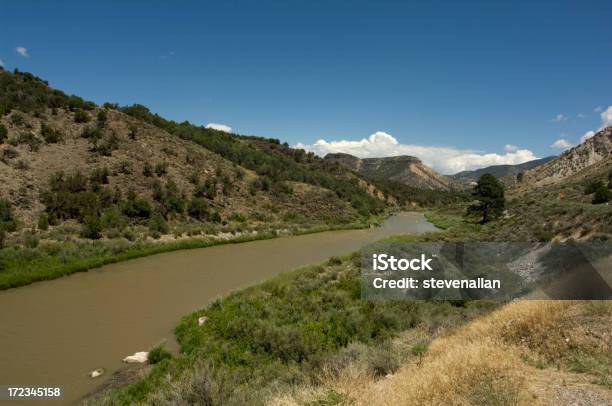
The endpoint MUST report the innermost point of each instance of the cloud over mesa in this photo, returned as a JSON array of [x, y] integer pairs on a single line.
[[446, 160], [606, 121], [219, 127], [562, 144]]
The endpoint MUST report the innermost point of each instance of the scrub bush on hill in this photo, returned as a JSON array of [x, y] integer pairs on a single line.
[[80, 116], [602, 195], [3, 133], [267, 157], [30, 94], [7, 218], [28, 138], [136, 207], [50, 135]]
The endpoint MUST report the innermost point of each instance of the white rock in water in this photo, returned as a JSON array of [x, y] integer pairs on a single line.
[[96, 373], [137, 358], [202, 320]]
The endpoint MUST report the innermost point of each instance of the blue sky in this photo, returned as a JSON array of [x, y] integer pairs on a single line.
[[470, 75]]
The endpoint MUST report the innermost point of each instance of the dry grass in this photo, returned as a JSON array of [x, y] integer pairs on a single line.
[[494, 360]]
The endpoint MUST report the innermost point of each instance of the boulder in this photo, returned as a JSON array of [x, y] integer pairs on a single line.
[[96, 373], [137, 358]]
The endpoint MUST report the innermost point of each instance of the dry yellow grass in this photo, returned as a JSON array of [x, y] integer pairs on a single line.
[[484, 362]]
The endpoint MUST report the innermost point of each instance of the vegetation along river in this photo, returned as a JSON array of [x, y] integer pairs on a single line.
[[55, 332]]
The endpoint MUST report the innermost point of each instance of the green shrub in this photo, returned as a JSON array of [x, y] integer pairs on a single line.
[[9, 153], [157, 223], [107, 145], [92, 227], [99, 176], [92, 133], [147, 170], [133, 133], [3, 133], [420, 349], [50, 135], [592, 186], [112, 218], [29, 139], [43, 221], [125, 167], [136, 207], [207, 189], [102, 117], [239, 217], [17, 119], [172, 198], [158, 354], [81, 116], [31, 240], [602, 194], [7, 218], [161, 168], [198, 208]]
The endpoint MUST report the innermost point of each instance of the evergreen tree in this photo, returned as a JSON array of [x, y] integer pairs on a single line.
[[490, 195]]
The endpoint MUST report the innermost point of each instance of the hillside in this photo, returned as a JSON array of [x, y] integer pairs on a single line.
[[45, 132], [585, 155], [72, 171], [407, 170], [465, 178]]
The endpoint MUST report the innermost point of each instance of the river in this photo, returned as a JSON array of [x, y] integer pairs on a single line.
[[55, 332]]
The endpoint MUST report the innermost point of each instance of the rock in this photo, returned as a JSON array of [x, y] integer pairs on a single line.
[[202, 320], [137, 358], [96, 373]]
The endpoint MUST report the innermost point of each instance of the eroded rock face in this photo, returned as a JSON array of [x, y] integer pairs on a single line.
[[405, 169], [587, 154], [137, 358]]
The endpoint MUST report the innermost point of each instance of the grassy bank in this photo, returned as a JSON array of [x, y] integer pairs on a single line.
[[526, 353], [287, 332], [22, 265]]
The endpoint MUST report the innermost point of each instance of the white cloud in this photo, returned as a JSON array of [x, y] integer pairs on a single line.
[[167, 56], [581, 115], [598, 109], [561, 144], [606, 117], [22, 51], [587, 135], [606, 121], [447, 160], [559, 118], [510, 148], [1, 63], [219, 127]]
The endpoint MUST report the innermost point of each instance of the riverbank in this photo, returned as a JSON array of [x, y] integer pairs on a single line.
[[94, 319], [22, 265], [287, 331]]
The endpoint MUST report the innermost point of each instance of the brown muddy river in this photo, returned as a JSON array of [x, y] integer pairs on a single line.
[[55, 332]]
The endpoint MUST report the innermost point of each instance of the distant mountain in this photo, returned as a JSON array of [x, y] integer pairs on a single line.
[[585, 157], [499, 171], [405, 169]]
